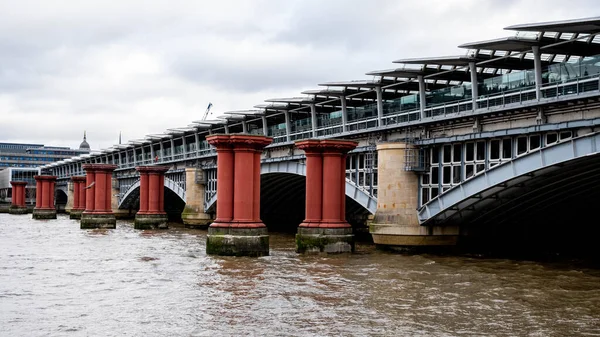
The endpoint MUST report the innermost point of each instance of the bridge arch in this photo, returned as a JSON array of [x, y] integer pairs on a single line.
[[132, 195], [293, 174], [536, 181]]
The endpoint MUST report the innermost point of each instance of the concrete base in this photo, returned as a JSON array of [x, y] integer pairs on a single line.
[[315, 240], [151, 221], [41, 214], [232, 241], [410, 236], [91, 220], [75, 214], [192, 218], [18, 210]]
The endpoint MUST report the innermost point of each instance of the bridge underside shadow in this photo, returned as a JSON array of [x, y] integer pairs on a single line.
[[174, 205], [554, 211], [283, 203]]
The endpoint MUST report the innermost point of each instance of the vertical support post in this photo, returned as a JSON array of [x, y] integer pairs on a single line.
[[379, 93], [288, 125], [422, 97], [344, 113], [537, 64], [313, 119], [264, 124], [474, 84]]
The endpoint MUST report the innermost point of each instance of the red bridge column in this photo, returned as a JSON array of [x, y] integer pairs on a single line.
[[78, 197], [98, 212], [18, 198], [238, 230], [325, 228], [151, 214], [44, 207]]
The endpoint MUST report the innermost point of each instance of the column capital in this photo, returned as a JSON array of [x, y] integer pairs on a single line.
[[44, 177], [249, 142], [18, 183], [221, 142], [78, 178], [152, 169], [99, 167]]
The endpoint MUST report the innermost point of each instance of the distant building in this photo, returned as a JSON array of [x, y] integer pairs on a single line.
[[21, 162], [34, 155]]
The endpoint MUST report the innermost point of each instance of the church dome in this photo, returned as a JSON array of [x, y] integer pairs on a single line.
[[84, 145]]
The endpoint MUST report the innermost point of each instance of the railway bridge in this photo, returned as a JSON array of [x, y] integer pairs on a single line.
[[503, 136]]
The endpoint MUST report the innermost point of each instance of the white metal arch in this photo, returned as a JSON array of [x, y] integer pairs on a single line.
[[170, 184], [509, 174], [292, 167]]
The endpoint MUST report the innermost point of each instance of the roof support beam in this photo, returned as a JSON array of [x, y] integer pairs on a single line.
[[379, 105], [264, 124], [422, 100], [344, 114], [244, 127], [537, 63], [288, 126], [474, 87], [313, 119]]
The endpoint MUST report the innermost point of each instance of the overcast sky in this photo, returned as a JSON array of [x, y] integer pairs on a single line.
[[141, 67]]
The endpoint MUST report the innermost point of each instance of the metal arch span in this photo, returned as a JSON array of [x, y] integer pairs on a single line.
[[170, 184], [483, 191], [292, 167]]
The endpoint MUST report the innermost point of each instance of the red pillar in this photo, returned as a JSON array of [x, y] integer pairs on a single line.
[[78, 193], [44, 192], [98, 188], [314, 182], [82, 194], [225, 160], [152, 189], [238, 179], [18, 193], [325, 182], [143, 192], [89, 187]]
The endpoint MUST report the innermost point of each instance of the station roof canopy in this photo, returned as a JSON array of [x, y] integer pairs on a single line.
[[577, 26], [250, 113]]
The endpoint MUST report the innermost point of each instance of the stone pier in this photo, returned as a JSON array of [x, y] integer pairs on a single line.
[[18, 198], [152, 213], [44, 197], [98, 212], [396, 223], [79, 192], [193, 215], [237, 229], [325, 229]]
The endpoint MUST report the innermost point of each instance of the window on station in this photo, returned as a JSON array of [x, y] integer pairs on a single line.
[[435, 171], [534, 142], [551, 138], [566, 135], [506, 148], [457, 153], [469, 152], [435, 155], [480, 150], [495, 149], [447, 153], [521, 145]]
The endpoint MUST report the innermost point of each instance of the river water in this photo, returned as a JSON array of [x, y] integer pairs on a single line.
[[59, 280]]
